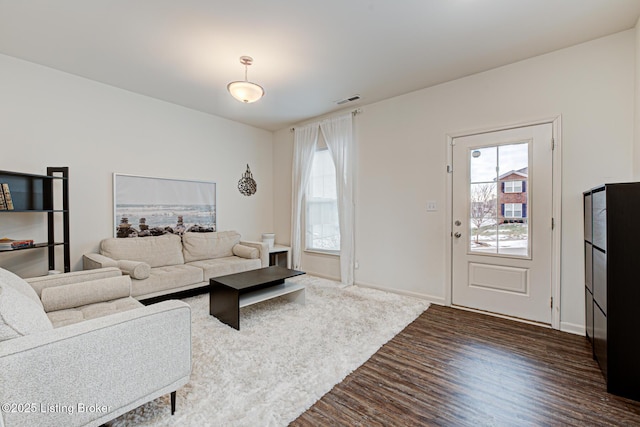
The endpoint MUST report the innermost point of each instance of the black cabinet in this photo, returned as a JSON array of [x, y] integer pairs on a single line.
[[612, 283], [31, 193]]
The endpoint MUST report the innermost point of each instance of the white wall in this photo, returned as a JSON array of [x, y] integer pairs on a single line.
[[50, 118], [402, 157]]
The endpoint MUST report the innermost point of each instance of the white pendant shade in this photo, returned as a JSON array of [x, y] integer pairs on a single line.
[[245, 91]]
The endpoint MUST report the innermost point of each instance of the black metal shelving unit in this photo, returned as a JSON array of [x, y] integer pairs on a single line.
[[32, 193]]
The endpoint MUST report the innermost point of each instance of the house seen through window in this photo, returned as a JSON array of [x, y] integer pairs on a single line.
[[322, 227]]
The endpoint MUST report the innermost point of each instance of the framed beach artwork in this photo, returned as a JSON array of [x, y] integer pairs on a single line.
[[150, 206]]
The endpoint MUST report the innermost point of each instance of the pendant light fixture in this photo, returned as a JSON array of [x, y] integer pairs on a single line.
[[245, 91]]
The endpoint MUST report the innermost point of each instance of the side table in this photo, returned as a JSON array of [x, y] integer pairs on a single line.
[[280, 255]]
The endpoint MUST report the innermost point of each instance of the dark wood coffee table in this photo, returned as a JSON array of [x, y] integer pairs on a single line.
[[228, 294]]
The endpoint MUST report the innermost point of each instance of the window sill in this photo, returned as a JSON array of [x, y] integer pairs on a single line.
[[322, 252]]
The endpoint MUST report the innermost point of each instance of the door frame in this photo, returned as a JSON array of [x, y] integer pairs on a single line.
[[556, 123]]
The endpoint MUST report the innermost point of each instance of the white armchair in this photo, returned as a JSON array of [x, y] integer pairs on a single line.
[[105, 355]]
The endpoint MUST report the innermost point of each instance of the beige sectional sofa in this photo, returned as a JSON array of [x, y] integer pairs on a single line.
[[77, 350], [171, 264]]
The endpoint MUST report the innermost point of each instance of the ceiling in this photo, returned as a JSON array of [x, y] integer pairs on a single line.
[[307, 54]]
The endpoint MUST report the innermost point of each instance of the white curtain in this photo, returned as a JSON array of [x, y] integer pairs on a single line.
[[305, 142], [338, 135]]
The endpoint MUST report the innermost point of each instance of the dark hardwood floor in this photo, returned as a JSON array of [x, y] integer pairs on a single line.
[[456, 368]]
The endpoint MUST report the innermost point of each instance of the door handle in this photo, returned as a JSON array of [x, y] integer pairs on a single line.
[[457, 235]]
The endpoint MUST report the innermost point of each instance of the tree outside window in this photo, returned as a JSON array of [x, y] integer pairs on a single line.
[[483, 207]]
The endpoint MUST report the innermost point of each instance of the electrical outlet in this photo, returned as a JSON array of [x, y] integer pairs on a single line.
[[432, 206], [357, 265]]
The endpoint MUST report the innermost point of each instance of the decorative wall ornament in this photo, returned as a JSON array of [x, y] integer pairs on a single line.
[[247, 185]]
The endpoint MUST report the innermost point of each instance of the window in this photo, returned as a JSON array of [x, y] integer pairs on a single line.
[[513, 186], [513, 210], [322, 227], [497, 204]]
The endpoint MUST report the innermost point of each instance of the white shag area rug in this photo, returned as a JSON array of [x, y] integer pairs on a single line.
[[283, 359]]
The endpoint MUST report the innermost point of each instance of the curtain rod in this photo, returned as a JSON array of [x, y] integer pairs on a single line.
[[353, 113]]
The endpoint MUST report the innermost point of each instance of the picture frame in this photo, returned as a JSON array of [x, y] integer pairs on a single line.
[[161, 201]]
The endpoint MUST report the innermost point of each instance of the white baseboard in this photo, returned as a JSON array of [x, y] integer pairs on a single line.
[[430, 298], [324, 276], [572, 328]]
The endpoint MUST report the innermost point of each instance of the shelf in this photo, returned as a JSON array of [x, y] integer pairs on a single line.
[[36, 246], [32, 175], [34, 211], [264, 294], [34, 193]]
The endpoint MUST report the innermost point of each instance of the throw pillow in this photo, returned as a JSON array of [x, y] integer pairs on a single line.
[[79, 294], [136, 269], [245, 251]]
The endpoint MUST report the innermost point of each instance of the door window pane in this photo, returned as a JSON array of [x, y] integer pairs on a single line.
[[513, 238], [499, 198], [484, 164], [484, 232]]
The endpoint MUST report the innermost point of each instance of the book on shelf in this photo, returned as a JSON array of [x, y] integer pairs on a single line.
[[7, 196], [3, 204], [7, 244]]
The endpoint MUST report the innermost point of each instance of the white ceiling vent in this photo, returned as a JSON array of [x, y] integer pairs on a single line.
[[349, 99]]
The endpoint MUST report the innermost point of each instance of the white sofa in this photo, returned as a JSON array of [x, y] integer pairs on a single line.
[[161, 266], [76, 349]]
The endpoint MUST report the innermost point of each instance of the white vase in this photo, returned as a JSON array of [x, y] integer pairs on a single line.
[[269, 238]]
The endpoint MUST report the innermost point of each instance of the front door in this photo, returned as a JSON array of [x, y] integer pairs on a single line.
[[502, 222]]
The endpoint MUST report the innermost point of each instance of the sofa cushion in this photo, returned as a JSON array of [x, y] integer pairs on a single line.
[[65, 317], [246, 251], [165, 278], [20, 315], [157, 251], [19, 284], [223, 266], [81, 294], [200, 246], [135, 269]]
